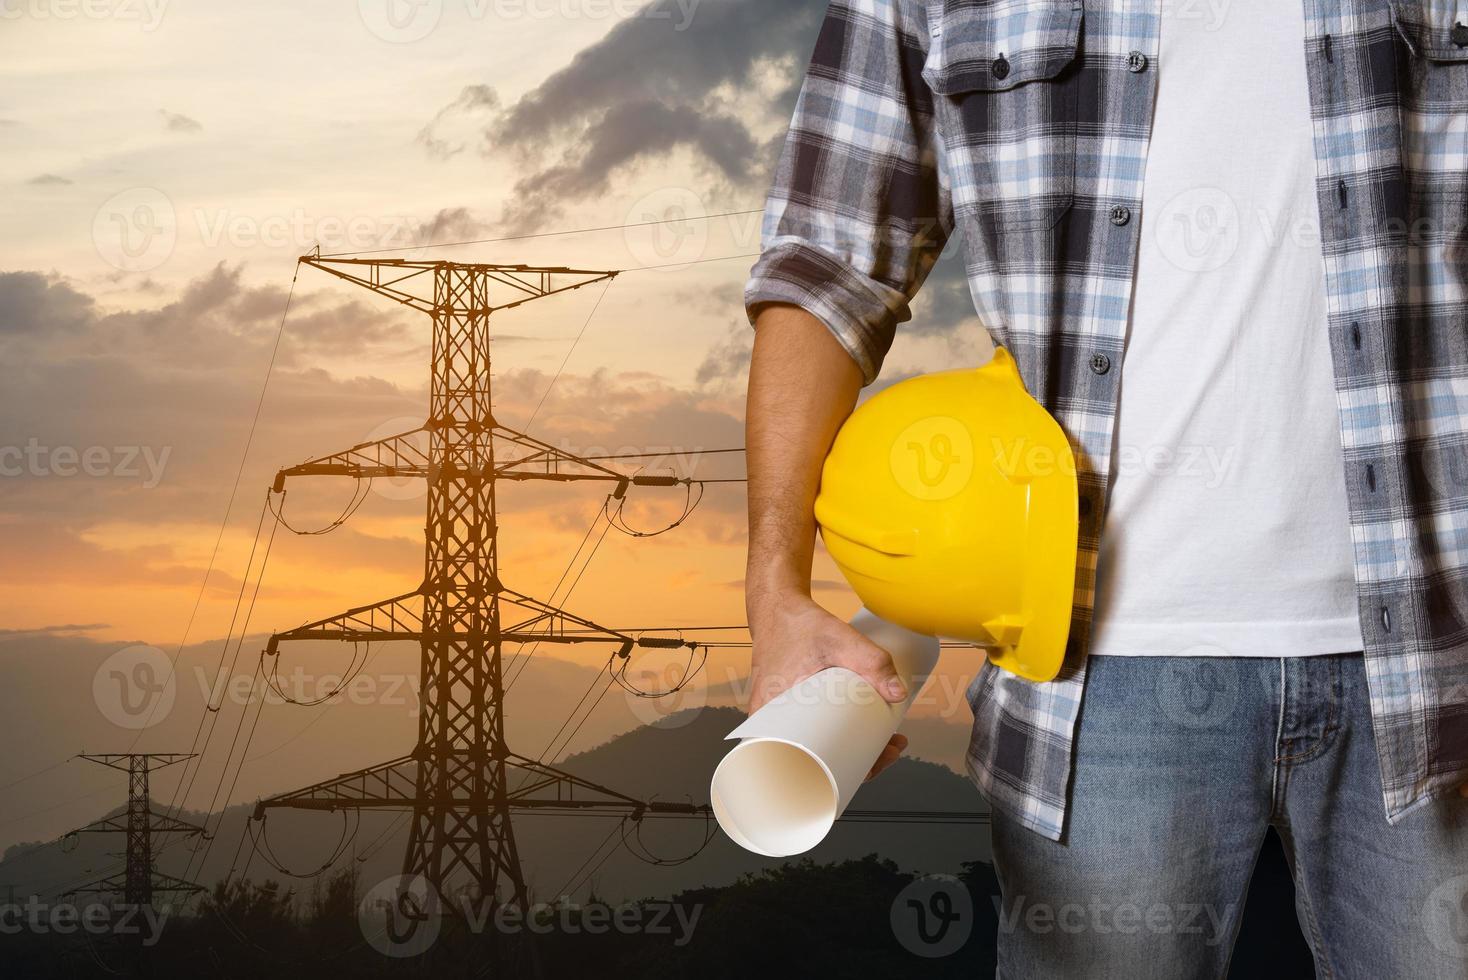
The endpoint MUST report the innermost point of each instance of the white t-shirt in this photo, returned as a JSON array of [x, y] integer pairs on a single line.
[[1227, 530]]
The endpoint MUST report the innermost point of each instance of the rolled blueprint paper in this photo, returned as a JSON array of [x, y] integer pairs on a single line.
[[802, 756]]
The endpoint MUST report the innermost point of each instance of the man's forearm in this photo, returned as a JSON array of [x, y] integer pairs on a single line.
[[802, 386]]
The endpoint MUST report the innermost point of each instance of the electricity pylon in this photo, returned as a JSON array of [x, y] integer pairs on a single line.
[[139, 882], [461, 781]]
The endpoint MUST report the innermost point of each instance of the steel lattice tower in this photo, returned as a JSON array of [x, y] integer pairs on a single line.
[[138, 882], [462, 781]]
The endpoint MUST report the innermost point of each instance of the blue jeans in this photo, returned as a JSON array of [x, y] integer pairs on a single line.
[[1182, 764]]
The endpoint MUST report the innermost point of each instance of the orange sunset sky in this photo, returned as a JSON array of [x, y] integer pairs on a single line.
[[165, 164]]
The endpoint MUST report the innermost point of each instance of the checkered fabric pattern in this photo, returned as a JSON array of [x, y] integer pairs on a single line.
[[1024, 126]]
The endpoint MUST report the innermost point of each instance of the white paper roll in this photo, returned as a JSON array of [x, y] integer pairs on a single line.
[[804, 754]]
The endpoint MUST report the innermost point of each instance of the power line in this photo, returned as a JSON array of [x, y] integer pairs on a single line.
[[553, 234], [700, 452], [229, 506], [210, 714], [244, 711], [523, 656], [366, 662], [462, 556], [576, 875], [203, 861], [679, 265], [569, 351], [38, 772], [54, 806]]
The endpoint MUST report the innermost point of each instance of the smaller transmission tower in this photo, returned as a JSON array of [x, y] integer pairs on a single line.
[[139, 882]]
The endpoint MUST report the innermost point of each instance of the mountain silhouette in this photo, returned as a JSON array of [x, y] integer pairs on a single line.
[[672, 759]]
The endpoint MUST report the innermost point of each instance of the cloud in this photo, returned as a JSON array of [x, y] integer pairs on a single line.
[[214, 317], [48, 180], [944, 303], [450, 224], [696, 87], [60, 629], [177, 123], [179, 381], [625, 134], [471, 99], [33, 303], [728, 360]]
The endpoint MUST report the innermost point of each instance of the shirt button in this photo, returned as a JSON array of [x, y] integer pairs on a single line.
[[1120, 215], [1460, 35], [1100, 363], [1135, 62], [1000, 67]]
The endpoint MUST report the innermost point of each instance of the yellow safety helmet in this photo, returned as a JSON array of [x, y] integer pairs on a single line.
[[949, 503]]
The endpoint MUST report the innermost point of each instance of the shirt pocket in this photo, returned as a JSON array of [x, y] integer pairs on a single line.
[[1003, 73], [1433, 78]]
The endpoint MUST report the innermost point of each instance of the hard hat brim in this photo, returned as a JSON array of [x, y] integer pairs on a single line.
[[1050, 570]]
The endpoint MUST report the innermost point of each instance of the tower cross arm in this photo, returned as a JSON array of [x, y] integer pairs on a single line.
[[158, 823], [123, 761], [403, 281], [401, 455], [398, 618]]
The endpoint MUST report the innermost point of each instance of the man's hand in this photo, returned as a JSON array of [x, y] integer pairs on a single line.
[[802, 385], [795, 638]]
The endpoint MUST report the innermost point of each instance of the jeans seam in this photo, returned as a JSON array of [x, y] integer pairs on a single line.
[[1317, 940], [1275, 792], [1327, 731]]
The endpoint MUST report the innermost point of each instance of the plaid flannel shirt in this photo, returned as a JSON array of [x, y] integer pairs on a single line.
[[1024, 125]]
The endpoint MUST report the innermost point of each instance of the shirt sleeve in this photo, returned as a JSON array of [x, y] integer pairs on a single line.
[[859, 210]]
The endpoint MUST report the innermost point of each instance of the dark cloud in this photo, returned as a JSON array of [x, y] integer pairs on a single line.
[[33, 303], [450, 224], [178, 123], [729, 359], [48, 180], [640, 130], [944, 303], [215, 315], [182, 378], [653, 85], [472, 100]]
